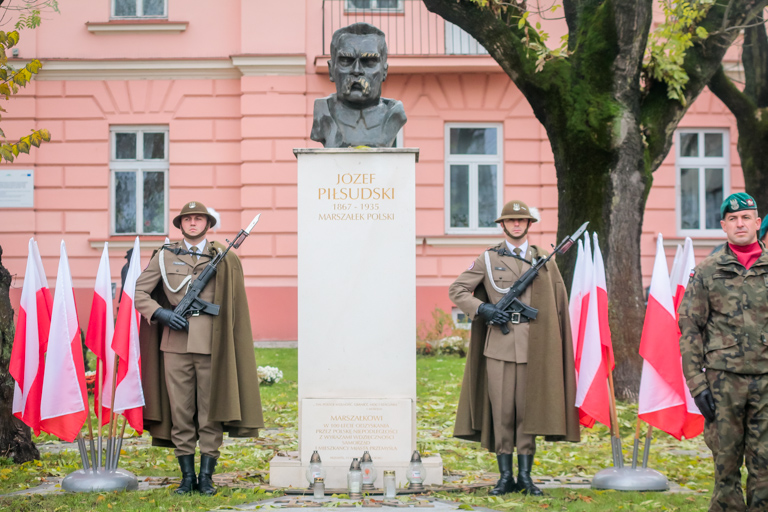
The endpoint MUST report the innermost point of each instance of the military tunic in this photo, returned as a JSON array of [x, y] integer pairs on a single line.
[[506, 355], [186, 353], [724, 346]]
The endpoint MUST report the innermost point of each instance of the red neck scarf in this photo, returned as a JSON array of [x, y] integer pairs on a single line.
[[747, 254]]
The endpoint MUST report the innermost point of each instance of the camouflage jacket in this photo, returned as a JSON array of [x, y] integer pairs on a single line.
[[724, 318]]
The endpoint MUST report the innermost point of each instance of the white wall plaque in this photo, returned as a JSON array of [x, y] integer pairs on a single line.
[[17, 188]]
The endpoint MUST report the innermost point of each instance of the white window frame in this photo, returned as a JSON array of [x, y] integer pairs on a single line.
[[473, 161], [139, 12], [350, 7], [137, 165], [701, 162]]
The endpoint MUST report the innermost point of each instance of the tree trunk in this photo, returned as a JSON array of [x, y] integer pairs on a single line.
[[750, 108], [15, 437]]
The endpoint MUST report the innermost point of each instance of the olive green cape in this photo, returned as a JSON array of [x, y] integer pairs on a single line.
[[235, 399], [550, 399]]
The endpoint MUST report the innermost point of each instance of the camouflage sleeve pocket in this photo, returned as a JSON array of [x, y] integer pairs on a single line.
[[720, 341]]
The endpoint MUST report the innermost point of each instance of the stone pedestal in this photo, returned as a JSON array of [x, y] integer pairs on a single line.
[[357, 313]]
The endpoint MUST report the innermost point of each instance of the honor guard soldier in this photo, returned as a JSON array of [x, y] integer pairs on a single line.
[[724, 344], [522, 384], [198, 373]]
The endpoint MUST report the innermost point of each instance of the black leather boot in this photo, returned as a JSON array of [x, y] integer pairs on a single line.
[[188, 480], [506, 483], [205, 479], [524, 482]]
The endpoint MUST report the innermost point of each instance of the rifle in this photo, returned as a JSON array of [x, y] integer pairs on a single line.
[[192, 304], [510, 302]]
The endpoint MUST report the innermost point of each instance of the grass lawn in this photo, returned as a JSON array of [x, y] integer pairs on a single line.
[[439, 382]]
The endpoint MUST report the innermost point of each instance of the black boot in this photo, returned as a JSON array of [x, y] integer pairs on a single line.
[[524, 482], [205, 479], [507, 481], [188, 480]]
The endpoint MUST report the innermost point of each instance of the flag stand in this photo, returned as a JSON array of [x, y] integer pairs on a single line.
[[633, 478], [95, 477]]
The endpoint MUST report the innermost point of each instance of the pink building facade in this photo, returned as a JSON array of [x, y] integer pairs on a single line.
[[153, 103]]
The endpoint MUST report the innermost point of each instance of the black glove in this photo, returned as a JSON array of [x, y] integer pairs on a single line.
[[171, 319], [493, 315], [706, 404]]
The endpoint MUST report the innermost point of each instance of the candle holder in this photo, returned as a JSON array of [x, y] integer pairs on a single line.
[[355, 480], [369, 471], [415, 473]]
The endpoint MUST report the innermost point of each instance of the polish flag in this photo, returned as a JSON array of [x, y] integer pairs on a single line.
[[574, 304], [673, 274], [63, 407], [129, 395], [664, 398], [592, 394], [602, 307], [586, 279], [683, 275], [101, 328], [31, 341]]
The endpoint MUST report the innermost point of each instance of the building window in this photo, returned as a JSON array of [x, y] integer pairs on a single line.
[[375, 5], [139, 8], [701, 158], [474, 177], [459, 42], [139, 180]]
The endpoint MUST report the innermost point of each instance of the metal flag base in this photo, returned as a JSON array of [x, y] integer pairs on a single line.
[[100, 481], [630, 479]]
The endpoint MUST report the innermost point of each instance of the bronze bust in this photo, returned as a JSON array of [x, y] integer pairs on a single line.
[[357, 115]]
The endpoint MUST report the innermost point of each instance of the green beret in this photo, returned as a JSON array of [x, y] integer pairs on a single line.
[[764, 227], [736, 203]]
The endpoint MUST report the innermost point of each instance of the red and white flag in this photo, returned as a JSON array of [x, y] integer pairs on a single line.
[[31, 341], [129, 395], [101, 328], [673, 274], [575, 300], [602, 307], [663, 401], [63, 406], [592, 394], [682, 275], [587, 269]]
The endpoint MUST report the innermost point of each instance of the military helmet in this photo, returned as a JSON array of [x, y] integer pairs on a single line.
[[516, 210], [192, 208]]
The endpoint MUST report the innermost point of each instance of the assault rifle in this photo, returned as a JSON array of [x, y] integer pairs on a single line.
[[192, 304], [511, 302]]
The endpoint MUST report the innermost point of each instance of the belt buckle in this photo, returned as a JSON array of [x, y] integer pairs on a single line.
[[195, 313], [515, 318]]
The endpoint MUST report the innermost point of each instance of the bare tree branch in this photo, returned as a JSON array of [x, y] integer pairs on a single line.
[[737, 102]]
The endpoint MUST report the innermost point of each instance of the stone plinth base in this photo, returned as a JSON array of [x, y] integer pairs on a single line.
[[288, 472]]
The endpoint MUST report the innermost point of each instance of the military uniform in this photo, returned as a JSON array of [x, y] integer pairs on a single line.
[[186, 353], [506, 355], [724, 346], [503, 404]]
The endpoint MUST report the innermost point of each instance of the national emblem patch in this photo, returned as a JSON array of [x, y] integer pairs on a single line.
[[471, 266]]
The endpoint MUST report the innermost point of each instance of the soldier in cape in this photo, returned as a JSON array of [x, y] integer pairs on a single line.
[[198, 373], [519, 385], [724, 344]]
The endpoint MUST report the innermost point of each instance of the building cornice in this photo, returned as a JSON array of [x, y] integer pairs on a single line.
[[136, 26], [169, 69]]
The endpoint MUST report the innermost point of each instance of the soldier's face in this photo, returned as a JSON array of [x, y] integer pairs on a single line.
[[742, 227], [194, 225], [358, 70], [517, 229]]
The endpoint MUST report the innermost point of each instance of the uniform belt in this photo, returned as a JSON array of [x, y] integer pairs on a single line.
[[519, 318]]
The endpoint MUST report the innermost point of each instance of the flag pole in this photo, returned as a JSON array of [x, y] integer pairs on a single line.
[[110, 429], [119, 445], [636, 446], [615, 423], [90, 438], [647, 446], [83, 453], [99, 412]]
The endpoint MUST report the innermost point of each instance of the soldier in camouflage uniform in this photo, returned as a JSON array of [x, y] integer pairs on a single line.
[[724, 344]]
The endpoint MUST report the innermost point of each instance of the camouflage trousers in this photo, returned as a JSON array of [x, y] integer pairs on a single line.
[[738, 434]]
